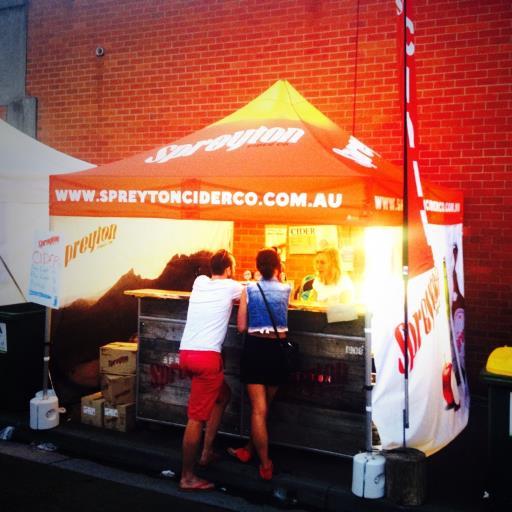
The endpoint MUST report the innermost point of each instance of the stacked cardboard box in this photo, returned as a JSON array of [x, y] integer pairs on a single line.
[[92, 409], [114, 406], [118, 389], [118, 358], [119, 417], [118, 363]]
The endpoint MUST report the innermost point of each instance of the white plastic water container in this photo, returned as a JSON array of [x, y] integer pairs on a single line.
[[44, 412], [368, 475]]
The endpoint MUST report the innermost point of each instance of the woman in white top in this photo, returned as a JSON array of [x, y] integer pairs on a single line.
[[329, 286]]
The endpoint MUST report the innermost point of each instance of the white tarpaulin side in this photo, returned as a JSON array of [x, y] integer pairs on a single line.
[[25, 165], [438, 390]]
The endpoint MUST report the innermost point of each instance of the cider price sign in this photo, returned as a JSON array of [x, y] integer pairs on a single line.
[[302, 239], [45, 270]]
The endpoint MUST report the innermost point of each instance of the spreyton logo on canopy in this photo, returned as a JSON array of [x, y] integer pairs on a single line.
[[354, 150], [230, 141], [89, 243]]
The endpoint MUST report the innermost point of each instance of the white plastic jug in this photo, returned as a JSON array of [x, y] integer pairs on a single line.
[[368, 475], [44, 412]]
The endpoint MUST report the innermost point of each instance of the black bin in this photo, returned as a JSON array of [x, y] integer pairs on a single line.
[[21, 354], [499, 435]]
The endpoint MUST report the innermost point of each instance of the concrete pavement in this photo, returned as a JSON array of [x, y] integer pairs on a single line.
[[34, 479], [306, 480]]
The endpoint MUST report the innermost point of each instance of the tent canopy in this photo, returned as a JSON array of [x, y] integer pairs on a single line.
[[277, 159], [25, 165]]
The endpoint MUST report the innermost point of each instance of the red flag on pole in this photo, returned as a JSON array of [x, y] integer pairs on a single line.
[[417, 252], [417, 256]]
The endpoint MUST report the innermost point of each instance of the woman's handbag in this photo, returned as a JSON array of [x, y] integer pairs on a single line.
[[289, 348], [291, 355]]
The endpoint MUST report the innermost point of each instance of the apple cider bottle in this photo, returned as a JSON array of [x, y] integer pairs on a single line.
[[451, 371], [458, 305], [458, 315]]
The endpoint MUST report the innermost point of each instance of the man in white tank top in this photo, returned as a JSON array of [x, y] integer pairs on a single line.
[[209, 309]]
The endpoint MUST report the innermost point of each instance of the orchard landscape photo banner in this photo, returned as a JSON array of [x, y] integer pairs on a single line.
[[276, 160], [102, 258], [100, 251]]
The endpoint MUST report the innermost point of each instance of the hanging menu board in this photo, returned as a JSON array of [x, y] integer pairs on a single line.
[[310, 239], [45, 270]]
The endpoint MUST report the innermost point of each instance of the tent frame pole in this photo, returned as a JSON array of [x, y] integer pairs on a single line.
[[46, 353], [368, 386], [4, 263], [405, 233]]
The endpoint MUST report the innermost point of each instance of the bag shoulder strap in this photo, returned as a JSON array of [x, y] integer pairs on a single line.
[[268, 309]]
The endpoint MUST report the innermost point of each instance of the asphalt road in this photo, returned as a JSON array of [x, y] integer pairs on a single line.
[[34, 480]]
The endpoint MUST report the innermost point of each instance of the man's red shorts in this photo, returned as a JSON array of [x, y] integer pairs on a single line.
[[205, 369]]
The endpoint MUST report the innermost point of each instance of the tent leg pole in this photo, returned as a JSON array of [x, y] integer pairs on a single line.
[[368, 382], [46, 355]]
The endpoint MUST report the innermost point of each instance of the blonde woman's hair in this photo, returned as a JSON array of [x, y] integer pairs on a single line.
[[333, 258]]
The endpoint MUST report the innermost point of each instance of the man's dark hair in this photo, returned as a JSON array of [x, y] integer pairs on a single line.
[[268, 261], [220, 261]]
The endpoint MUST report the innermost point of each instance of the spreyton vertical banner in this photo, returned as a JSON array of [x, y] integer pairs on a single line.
[[438, 393]]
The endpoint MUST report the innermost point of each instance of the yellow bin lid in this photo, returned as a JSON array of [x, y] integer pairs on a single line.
[[500, 361]]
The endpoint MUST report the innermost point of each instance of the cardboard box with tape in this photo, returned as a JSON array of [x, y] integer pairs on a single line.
[[118, 389], [118, 358]]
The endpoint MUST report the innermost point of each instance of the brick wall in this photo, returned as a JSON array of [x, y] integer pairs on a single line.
[[171, 67]]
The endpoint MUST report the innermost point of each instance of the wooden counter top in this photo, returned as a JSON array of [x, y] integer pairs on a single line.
[[153, 293], [180, 295]]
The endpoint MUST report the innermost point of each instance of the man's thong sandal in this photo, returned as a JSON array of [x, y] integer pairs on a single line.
[[242, 454], [199, 486]]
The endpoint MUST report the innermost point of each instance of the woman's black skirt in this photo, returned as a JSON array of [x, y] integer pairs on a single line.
[[262, 362]]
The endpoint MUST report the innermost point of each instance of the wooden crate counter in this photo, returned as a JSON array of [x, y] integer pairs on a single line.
[[320, 408]]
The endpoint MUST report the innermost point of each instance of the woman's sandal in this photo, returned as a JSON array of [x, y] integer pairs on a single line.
[[242, 454], [267, 473]]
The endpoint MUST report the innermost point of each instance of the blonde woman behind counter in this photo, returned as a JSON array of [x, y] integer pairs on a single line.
[[329, 285]]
